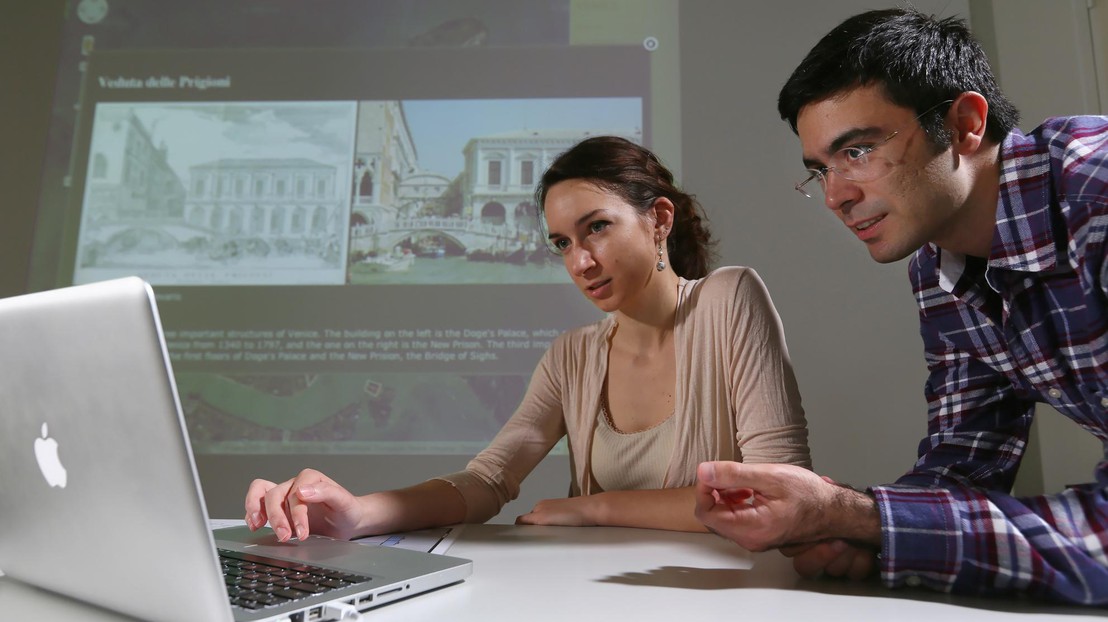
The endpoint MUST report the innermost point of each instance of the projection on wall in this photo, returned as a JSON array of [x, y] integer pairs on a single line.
[[334, 201]]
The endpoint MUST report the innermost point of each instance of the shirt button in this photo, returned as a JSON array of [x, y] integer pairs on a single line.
[[913, 581], [1054, 393], [1104, 402]]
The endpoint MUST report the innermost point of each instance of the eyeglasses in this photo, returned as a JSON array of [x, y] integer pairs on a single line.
[[857, 162]]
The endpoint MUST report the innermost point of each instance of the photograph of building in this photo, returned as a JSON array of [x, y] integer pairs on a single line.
[[436, 205]]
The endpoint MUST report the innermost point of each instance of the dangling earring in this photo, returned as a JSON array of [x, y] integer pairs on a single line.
[[661, 264]]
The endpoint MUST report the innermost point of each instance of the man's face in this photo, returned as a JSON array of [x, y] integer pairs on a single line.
[[916, 200]]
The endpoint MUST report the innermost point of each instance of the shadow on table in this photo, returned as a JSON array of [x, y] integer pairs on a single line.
[[683, 577]]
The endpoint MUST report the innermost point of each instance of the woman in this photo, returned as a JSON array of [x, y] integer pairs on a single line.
[[687, 367]]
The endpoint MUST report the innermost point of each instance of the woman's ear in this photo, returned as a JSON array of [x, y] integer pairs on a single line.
[[968, 117], [663, 218]]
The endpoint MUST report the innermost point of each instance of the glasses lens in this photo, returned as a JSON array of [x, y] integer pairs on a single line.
[[874, 167], [858, 164], [807, 185]]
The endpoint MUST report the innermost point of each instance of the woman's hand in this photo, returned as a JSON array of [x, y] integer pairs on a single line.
[[573, 511], [309, 503]]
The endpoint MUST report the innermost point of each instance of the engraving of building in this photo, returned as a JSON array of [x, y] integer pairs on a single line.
[[129, 178], [271, 199], [216, 220]]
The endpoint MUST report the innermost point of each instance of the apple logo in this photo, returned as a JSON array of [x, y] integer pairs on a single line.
[[46, 452]]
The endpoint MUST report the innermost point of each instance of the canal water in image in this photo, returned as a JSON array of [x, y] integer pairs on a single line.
[[457, 270]]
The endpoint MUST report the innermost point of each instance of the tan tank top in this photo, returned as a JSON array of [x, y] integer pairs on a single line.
[[635, 461]]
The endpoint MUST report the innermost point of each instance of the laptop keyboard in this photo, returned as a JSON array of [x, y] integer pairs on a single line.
[[255, 582]]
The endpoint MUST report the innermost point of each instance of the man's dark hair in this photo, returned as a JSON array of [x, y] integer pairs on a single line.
[[918, 60]]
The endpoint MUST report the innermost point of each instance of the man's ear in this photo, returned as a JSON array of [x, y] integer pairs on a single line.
[[968, 117]]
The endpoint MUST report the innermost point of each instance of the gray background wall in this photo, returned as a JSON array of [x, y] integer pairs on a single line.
[[851, 323]]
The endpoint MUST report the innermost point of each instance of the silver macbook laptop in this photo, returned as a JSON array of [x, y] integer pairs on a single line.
[[101, 501]]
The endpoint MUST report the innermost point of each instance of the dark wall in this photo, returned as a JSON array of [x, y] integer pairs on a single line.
[[29, 46]]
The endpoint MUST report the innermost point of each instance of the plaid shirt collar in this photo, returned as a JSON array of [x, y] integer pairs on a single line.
[[1024, 238]]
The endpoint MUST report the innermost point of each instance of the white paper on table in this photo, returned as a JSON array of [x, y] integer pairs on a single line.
[[437, 540]]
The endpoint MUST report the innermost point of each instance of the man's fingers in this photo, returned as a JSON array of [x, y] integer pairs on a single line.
[[811, 562], [706, 498], [863, 565], [836, 558], [839, 565], [736, 476], [792, 550], [740, 496], [723, 474]]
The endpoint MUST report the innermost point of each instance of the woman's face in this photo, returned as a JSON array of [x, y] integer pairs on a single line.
[[609, 249]]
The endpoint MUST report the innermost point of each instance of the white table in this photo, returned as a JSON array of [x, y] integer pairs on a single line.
[[598, 573], [579, 574]]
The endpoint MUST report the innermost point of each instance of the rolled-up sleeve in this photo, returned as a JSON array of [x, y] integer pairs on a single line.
[[494, 476]]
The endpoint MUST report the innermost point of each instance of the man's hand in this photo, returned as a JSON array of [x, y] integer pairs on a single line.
[[766, 506], [835, 558]]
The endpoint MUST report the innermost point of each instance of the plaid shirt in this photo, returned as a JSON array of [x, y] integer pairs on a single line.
[[1029, 325]]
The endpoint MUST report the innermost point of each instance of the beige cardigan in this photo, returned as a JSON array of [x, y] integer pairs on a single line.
[[736, 396]]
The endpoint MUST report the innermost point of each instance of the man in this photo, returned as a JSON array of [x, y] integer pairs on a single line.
[[910, 142]]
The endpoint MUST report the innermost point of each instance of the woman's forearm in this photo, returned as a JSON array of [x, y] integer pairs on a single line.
[[669, 508], [430, 504]]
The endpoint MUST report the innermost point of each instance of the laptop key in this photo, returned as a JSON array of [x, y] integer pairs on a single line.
[[291, 594], [253, 583], [309, 587], [247, 604]]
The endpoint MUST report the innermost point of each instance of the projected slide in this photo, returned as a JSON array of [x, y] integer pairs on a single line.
[[257, 193], [334, 201]]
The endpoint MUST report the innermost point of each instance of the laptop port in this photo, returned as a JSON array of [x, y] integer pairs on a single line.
[[392, 591]]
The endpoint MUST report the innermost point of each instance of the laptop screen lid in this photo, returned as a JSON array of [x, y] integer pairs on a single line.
[[96, 474], [102, 500]]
